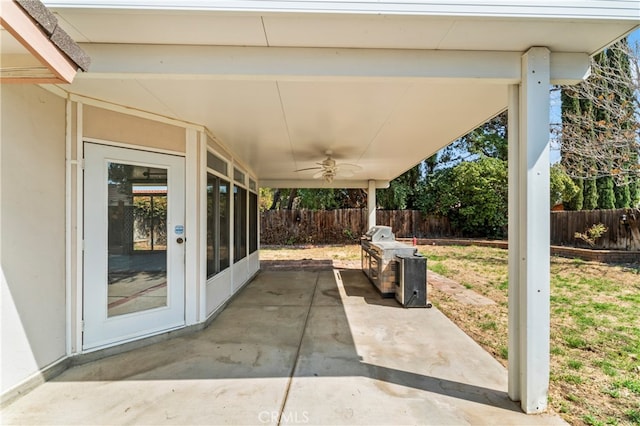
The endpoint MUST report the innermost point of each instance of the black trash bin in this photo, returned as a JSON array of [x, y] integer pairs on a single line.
[[411, 281]]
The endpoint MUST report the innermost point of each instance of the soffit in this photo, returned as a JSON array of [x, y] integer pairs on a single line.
[[336, 30], [276, 125]]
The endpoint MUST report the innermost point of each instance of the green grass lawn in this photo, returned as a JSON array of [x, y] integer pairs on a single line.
[[595, 328]]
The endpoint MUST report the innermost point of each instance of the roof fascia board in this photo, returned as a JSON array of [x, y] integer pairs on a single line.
[[21, 26], [319, 183], [546, 9], [317, 64]]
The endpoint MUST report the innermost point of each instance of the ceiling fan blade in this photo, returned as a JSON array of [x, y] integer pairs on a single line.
[[308, 168], [328, 169], [346, 166], [344, 173]]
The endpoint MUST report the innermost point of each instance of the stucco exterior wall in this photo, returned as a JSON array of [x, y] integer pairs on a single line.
[[113, 126], [32, 229]]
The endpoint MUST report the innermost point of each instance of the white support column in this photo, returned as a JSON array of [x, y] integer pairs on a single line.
[[530, 245], [371, 204], [514, 238], [201, 251], [192, 243]]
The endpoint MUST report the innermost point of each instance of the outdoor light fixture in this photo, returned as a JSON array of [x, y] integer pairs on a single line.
[[624, 220]]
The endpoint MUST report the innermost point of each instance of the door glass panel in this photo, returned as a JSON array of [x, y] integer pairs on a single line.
[[137, 248]]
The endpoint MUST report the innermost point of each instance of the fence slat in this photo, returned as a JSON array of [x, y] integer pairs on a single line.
[[619, 235], [347, 225]]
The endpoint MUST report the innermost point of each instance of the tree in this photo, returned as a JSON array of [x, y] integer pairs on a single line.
[[488, 140], [473, 195], [402, 192], [396, 196], [577, 201], [634, 193], [266, 198], [562, 188], [351, 198], [590, 199], [313, 199], [317, 199], [599, 137], [623, 196], [606, 195]]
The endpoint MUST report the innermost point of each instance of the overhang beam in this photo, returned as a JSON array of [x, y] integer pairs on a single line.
[[318, 64], [319, 183]]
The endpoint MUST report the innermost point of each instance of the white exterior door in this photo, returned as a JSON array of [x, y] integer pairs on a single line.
[[134, 244]]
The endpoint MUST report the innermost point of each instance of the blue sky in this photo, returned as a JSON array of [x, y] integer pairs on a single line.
[[635, 36]]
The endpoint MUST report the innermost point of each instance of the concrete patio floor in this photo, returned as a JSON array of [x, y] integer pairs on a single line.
[[295, 347]]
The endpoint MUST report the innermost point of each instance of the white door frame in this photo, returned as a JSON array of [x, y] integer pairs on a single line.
[[122, 328]]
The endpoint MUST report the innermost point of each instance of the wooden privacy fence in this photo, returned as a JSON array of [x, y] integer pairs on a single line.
[[622, 228], [347, 225], [413, 223], [344, 226]]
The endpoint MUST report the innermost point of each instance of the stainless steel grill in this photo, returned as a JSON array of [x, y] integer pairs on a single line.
[[379, 250]]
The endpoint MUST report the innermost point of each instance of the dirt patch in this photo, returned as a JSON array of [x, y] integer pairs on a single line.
[[310, 257], [460, 293]]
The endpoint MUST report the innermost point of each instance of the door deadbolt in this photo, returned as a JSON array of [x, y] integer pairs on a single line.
[[180, 240]]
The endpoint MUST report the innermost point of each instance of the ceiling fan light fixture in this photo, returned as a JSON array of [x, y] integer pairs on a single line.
[[328, 176], [328, 169]]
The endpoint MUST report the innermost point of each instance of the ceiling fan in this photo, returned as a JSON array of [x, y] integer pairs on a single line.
[[329, 169]]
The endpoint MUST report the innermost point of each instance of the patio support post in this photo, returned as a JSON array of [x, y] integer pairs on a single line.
[[529, 240], [371, 204], [514, 226]]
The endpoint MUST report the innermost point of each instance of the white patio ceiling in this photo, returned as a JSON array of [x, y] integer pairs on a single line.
[[381, 84]]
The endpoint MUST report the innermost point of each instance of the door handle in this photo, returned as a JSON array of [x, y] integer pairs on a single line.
[[180, 240]]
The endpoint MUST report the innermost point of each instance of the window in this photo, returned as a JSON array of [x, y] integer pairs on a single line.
[[253, 222], [216, 163], [218, 241], [238, 176], [239, 223]]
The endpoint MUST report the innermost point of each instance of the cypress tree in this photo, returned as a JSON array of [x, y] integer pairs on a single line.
[[634, 193], [626, 185], [571, 104], [599, 132], [623, 196], [606, 196], [590, 195]]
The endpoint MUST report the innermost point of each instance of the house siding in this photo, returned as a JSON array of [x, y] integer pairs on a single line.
[[32, 226], [113, 126]]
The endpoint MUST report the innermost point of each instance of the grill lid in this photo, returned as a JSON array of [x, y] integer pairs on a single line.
[[379, 233]]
